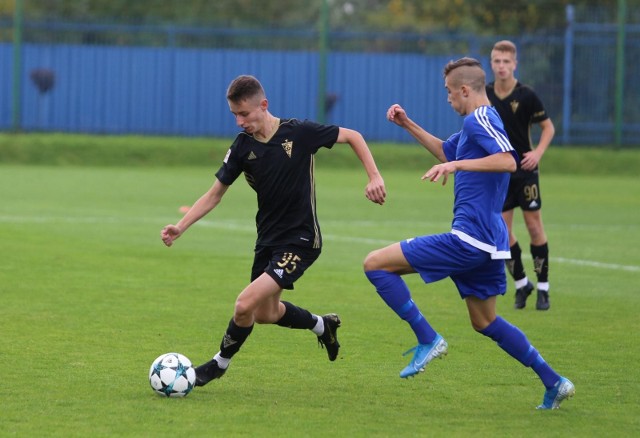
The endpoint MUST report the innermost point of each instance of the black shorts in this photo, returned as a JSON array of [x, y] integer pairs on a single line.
[[285, 264], [523, 192]]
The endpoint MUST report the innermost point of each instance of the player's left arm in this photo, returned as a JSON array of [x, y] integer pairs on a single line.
[[375, 190], [531, 159], [498, 162]]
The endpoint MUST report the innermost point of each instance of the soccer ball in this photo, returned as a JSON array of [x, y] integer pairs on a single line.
[[172, 375]]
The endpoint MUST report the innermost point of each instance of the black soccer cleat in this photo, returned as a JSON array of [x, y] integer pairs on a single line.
[[206, 372], [543, 300], [522, 294], [329, 338]]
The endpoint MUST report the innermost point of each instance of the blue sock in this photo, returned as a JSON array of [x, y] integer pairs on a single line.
[[394, 291], [512, 340]]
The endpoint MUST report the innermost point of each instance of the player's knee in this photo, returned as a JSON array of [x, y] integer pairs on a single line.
[[372, 261], [243, 309]]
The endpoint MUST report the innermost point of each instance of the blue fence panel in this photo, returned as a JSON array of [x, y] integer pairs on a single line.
[[109, 89], [171, 91], [6, 77], [367, 84]]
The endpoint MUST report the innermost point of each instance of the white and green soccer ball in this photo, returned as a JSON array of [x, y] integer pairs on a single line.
[[172, 375]]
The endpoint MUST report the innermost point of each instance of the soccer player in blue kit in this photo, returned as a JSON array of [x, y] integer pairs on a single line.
[[472, 254]]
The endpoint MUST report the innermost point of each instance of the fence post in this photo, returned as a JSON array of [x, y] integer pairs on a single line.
[[619, 102], [17, 65], [322, 61], [568, 76]]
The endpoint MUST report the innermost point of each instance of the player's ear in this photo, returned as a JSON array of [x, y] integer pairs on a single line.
[[264, 104]]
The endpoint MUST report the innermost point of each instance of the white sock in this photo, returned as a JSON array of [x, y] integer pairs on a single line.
[[521, 283], [544, 286], [223, 362], [319, 327]]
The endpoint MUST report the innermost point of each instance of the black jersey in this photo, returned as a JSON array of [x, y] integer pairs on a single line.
[[281, 171], [518, 111]]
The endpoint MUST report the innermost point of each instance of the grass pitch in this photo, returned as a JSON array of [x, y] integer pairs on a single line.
[[90, 297]]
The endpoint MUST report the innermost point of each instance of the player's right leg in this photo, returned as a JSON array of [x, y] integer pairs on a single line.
[[384, 268], [259, 294], [515, 266]]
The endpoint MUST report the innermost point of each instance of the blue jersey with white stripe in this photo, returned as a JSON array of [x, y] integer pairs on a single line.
[[479, 196]]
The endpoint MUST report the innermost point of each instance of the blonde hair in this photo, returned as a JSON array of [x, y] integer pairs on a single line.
[[506, 46]]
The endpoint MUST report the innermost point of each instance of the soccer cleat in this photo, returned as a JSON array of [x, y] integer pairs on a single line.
[[522, 294], [206, 372], [423, 354], [543, 300], [562, 390], [329, 339]]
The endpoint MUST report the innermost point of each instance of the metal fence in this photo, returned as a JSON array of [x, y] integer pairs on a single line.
[[171, 80]]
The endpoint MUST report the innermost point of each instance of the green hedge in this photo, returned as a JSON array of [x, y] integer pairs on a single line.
[[95, 150]]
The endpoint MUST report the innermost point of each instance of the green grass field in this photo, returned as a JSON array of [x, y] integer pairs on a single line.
[[90, 297]]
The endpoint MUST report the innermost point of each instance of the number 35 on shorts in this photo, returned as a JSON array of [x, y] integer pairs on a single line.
[[289, 262]]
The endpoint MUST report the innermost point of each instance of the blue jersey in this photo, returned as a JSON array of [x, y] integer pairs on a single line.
[[479, 196]]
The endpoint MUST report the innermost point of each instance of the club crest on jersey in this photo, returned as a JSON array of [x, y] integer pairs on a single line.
[[287, 146], [514, 105]]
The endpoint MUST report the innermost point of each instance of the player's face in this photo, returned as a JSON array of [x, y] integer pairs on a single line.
[[249, 113], [455, 97], [503, 64]]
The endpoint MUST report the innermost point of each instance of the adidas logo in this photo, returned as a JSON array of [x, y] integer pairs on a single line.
[[533, 204], [228, 340], [279, 272], [251, 156]]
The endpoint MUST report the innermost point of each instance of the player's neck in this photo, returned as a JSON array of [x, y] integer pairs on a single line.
[[268, 129], [504, 87]]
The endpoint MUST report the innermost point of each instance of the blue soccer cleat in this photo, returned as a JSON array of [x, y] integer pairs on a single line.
[[562, 390], [423, 354]]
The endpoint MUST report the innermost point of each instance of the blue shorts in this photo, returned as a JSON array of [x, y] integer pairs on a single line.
[[472, 270]]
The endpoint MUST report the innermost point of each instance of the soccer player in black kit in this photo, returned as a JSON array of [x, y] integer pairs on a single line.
[[519, 107], [277, 158]]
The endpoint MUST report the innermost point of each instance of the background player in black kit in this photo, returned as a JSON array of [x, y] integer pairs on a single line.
[[519, 107], [277, 158]]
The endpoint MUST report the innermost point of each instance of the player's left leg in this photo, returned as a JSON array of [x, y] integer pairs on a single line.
[[513, 341], [539, 254], [285, 266]]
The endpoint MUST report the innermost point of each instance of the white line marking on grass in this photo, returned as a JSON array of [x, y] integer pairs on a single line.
[[613, 266], [242, 226]]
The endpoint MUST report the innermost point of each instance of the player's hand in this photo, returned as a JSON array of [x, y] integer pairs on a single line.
[[440, 170], [397, 115], [169, 234], [375, 190], [530, 160]]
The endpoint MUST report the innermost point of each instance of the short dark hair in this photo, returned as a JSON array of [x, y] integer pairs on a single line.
[[244, 87]]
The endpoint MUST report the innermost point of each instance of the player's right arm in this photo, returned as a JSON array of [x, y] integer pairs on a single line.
[[433, 144], [204, 205]]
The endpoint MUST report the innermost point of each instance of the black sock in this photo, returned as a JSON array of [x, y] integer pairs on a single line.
[[540, 256], [514, 264], [233, 339], [296, 317]]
